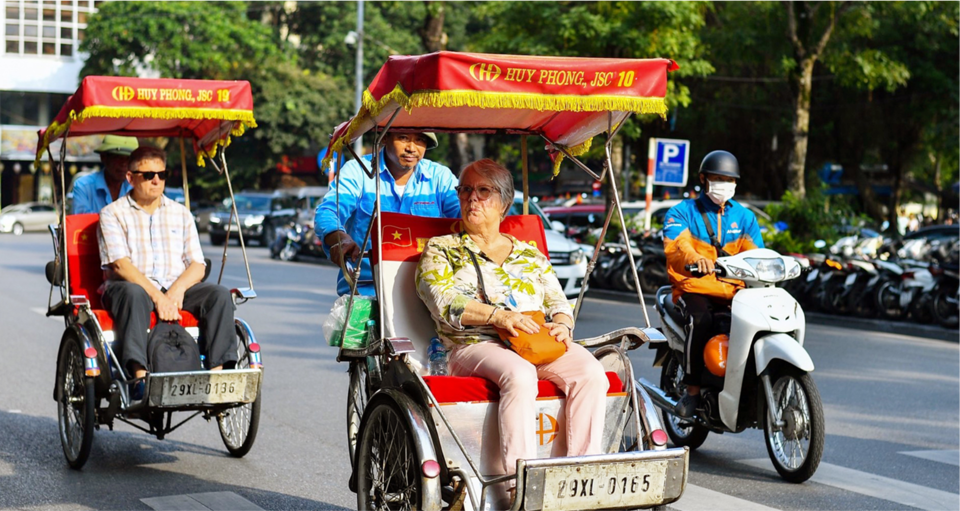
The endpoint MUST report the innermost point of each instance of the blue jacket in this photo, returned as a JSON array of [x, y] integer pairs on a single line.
[[430, 191], [685, 241], [91, 193]]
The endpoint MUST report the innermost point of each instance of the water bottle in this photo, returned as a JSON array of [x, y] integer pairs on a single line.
[[437, 355]]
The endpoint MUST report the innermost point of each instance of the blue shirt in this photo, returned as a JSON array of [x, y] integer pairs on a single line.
[[430, 191], [91, 193]]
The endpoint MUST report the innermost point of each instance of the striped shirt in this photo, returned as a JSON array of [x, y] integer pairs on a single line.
[[160, 245]]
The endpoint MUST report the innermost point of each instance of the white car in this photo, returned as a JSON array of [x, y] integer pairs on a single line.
[[567, 257], [29, 216]]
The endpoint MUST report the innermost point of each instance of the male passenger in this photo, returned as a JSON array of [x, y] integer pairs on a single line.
[[697, 231], [150, 247], [409, 184], [94, 191]]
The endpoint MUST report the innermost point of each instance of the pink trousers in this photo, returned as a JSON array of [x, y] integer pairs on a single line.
[[578, 374]]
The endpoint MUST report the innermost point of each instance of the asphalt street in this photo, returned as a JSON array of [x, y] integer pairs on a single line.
[[890, 400]]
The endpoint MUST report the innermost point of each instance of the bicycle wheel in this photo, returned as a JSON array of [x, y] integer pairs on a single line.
[[356, 402], [76, 413], [387, 464], [238, 426]]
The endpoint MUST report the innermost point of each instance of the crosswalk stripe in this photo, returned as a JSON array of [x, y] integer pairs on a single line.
[[950, 457], [698, 498], [211, 501], [872, 485]]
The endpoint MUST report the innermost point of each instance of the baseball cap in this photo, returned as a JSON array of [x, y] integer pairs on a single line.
[[114, 144]]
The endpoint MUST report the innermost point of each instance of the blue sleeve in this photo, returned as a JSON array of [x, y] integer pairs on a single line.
[[327, 218], [83, 196], [447, 193], [753, 230]]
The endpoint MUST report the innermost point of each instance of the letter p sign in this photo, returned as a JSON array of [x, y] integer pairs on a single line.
[[670, 151]]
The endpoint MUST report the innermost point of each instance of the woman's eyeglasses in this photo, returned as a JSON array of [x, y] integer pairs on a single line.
[[483, 192], [150, 175]]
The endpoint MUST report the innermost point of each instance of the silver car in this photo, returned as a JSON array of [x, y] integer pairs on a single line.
[[29, 216]]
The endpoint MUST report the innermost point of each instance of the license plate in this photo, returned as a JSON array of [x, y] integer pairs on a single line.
[[204, 388], [604, 485], [850, 278]]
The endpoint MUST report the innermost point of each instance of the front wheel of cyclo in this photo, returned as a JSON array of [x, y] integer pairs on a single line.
[[682, 432], [795, 446], [76, 403], [239, 425], [388, 475], [356, 402]]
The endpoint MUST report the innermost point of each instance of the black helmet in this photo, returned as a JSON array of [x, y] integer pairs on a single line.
[[720, 163]]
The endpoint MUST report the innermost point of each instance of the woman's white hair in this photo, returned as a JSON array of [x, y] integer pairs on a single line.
[[499, 177]]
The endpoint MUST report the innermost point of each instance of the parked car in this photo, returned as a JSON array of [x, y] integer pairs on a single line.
[[260, 213], [29, 216], [567, 257]]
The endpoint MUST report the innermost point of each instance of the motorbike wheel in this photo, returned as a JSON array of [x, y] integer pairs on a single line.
[[944, 312], [682, 432], [796, 447], [653, 276], [387, 464], [76, 404], [887, 298]]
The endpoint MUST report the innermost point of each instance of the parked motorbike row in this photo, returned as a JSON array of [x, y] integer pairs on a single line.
[[613, 265], [923, 290], [293, 240]]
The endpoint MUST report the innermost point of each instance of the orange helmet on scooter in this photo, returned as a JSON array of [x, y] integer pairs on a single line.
[[715, 354]]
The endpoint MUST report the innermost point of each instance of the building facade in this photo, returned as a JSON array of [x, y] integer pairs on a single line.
[[39, 68]]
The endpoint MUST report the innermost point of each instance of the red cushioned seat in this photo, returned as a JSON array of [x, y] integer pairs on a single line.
[[86, 274], [460, 389]]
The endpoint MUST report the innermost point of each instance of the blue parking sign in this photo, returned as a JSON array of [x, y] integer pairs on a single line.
[[671, 163]]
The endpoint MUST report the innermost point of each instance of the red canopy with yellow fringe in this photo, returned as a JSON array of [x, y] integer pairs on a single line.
[[207, 111], [565, 99]]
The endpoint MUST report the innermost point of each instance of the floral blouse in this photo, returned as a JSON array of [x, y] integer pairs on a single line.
[[447, 280]]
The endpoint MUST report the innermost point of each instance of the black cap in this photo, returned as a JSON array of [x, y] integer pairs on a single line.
[[720, 163]]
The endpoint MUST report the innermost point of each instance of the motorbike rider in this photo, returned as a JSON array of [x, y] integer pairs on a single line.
[[697, 231]]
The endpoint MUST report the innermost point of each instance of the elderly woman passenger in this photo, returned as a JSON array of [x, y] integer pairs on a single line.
[[518, 278]]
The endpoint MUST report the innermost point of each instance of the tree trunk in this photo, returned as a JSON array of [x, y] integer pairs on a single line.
[[801, 129], [432, 35]]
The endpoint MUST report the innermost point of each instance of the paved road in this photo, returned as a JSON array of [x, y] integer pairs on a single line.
[[891, 404]]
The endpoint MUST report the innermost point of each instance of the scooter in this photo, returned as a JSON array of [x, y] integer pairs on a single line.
[[762, 377], [287, 244]]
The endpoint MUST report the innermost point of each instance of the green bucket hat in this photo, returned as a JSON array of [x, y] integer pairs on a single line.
[[433, 139], [113, 144]]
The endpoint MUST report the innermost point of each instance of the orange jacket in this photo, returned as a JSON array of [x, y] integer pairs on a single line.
[[685, 241]]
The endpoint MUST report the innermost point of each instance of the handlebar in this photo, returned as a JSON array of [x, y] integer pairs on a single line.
[[694, 270]]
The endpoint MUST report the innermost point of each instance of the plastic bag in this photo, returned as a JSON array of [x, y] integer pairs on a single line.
[[364, 309]]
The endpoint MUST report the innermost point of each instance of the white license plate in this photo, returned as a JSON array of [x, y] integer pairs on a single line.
[[204, 388], [604, 485], [850, 278]]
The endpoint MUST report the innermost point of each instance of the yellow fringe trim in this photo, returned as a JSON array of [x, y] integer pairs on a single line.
[[244, 117], [372, 108]]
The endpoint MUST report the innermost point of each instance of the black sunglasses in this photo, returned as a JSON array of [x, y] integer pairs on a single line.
[[149, 175]]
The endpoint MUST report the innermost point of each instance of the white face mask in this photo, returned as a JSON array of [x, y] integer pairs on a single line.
[[721, 191]]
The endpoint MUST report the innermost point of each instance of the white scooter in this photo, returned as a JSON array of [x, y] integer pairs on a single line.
[[762, 382]]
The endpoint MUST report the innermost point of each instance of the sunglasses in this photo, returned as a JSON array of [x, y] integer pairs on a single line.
[[150, 175], [483, 192]]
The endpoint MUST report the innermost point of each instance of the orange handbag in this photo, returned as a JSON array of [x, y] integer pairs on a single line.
[[538, 348]]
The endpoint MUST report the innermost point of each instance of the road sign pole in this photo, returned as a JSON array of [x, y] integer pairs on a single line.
[[651, 157]]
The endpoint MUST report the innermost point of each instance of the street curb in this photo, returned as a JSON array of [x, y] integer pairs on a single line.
[[874, 325]]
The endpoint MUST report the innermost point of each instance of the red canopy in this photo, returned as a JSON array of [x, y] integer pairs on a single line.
[[207, 111], [565, 99]]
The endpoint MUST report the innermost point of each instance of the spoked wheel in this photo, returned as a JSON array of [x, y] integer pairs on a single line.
[[683, 432], [387, 475], [76, 406], [356, 402], [238, 425], [796, 446]]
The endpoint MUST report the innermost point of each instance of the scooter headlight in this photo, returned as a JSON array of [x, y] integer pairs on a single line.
[[768, 270], [741, 273]]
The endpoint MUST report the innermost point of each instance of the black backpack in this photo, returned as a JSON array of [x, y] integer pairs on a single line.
[[171, 349]]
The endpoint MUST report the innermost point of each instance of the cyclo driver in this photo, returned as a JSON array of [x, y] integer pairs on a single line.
[[697, 231]]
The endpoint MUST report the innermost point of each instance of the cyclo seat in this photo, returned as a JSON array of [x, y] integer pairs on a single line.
[[86, 275]]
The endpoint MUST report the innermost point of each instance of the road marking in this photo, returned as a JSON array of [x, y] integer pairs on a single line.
[[698, 498], [872, 485], [950, 457], [212, 501], [15, 411]]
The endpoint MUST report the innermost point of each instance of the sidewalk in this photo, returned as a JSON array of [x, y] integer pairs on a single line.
[[874, 325]]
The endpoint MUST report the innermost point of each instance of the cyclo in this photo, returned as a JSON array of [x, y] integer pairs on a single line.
[[91, 388], [418, 441]]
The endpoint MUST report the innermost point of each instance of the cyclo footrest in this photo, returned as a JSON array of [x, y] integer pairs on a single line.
[[193, 388], [606, 481]]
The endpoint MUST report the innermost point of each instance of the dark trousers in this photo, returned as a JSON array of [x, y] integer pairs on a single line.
[[700, 310], [130, 306]]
